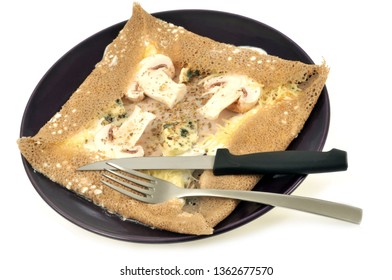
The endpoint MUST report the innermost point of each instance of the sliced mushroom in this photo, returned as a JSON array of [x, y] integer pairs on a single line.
[[132, 128], [249, 98], [120, 141], [103, 136], [136, 151], [154, 79], [113, 151], [156, 62], [135, 93], [236, 92]]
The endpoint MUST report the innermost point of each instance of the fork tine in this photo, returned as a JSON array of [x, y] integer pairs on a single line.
[[126, 192], [133, 180], [142, 190], [133, 172]]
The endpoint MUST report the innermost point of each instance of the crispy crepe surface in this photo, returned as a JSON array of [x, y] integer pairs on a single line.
[[271, 128]]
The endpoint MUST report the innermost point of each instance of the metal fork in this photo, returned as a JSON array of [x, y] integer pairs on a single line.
[[150, 189]]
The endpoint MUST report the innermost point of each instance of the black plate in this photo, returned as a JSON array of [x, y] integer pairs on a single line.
[[69, 72]]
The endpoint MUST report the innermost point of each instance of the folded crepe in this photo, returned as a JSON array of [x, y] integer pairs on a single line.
[[290, 90]]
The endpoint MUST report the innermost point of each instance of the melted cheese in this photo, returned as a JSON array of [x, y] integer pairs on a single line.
[[178, 137], [180, 178]]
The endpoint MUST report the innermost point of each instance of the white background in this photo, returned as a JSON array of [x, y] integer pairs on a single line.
[[353, 37]]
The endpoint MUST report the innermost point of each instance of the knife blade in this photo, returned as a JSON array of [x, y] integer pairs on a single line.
[[225, 163]]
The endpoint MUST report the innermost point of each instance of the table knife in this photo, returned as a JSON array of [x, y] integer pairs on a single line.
[[225, 163]]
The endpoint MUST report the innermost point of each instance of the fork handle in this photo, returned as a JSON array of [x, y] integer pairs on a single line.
[[305, 204], [280, 162]]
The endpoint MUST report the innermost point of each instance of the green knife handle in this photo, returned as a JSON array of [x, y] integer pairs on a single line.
[[280, 162]]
